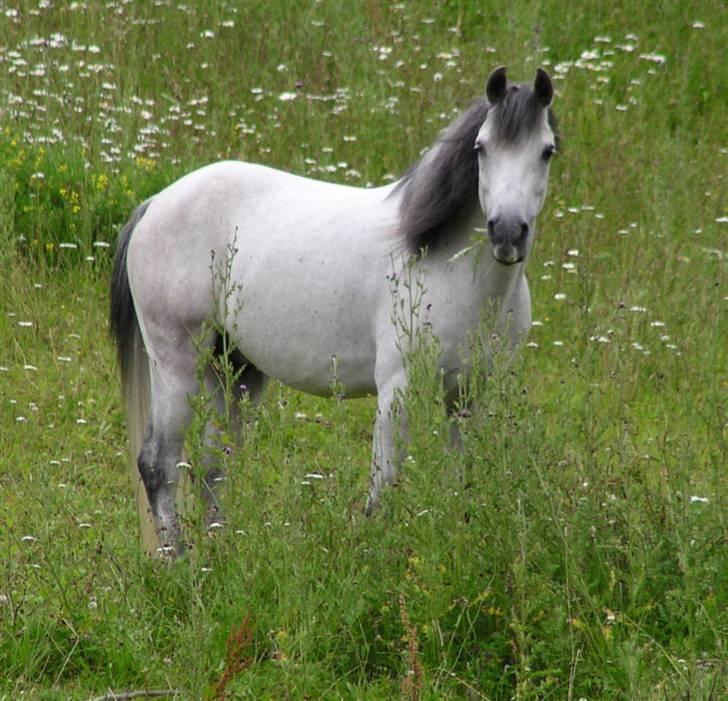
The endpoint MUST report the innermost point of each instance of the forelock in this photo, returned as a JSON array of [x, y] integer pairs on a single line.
[[517, 116]]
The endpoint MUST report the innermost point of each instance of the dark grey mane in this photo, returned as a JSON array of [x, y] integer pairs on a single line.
[[441, 188]]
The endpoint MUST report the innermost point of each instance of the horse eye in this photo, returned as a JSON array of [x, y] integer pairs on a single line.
[[548, 152], [479, 148]]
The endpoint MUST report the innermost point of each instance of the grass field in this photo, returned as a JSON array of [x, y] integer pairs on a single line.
[[586, 554]]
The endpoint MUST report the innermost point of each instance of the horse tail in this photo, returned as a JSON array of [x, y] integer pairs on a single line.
[[124, 328]]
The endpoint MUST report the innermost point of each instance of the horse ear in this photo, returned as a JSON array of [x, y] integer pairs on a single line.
[[543, 87], [495, 88]]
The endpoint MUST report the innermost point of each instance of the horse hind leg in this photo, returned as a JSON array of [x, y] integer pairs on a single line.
[[172, 383], [245, 380]]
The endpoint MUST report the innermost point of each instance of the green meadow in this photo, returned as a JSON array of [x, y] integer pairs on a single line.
[[576, 549]]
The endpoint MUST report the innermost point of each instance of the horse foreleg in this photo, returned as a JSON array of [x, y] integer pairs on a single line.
[[386, 458]]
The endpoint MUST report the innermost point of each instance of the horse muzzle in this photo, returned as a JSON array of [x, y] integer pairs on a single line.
[[508, 239], [506, 254]]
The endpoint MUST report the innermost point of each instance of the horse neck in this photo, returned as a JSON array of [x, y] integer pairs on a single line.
[[464, 253]]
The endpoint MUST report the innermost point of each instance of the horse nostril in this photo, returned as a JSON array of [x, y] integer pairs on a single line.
[[524, 232], [491, 226]]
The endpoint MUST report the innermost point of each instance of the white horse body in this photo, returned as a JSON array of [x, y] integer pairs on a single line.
[[329, 296], [314, 282], [301, 267]]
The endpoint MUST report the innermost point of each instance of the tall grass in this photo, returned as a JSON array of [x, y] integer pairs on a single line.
[[575, 548]]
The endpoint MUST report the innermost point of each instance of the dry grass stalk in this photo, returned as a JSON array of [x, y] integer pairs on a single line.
[[411, 687], [236, 659]]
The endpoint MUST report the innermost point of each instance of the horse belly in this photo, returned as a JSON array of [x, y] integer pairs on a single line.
[[304, 324]]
